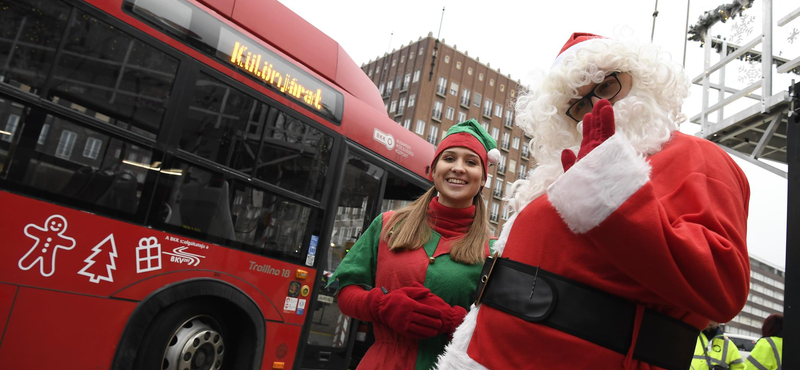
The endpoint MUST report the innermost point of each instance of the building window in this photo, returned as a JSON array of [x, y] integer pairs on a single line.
[[421, 50], [488, 182], [43, 134], [433, 134], [487, 108], [393, 107], [11, 128], [65, 144], [381, 88], [462, 116], [502, 87], [476, 100], [453, 89], [491, 82], [498, 110], [525, 151], [402, 58], [512, 166], [416, 75], [501, 167], [447, 59], [411, 55], [495, 210], [449, 113], [523, 171], [515, 142], [469, 71], [496, 133], [389, 87], [465, 97], [498, 188], [92, 148], [420, 127], [399, 82], [406, 81], [506, 211], [394, 62], [370, 72], [441, 87], [458, 65], [437, 110], [480, 77], [411, 100], [485, 126], [506, 140], [407, 123], [508, 121], [402, 106], [378, 69]]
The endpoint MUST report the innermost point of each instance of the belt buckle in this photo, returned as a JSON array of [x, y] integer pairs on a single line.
[[485, 278]]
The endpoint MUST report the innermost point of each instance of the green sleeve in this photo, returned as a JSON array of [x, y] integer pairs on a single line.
[[358, 266]]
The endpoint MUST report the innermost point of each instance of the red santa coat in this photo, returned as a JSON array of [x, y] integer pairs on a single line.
[[668, 233]]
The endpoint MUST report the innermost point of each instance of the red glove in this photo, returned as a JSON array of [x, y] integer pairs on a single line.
[[400, 311], [452, 316], [598, 126]]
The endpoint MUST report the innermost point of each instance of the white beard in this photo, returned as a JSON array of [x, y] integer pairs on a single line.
[[646, 124]]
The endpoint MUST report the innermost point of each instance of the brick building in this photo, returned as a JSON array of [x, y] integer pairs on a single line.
[[428, 86]]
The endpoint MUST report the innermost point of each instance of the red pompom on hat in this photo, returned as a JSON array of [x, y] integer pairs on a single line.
[[471, 135], [574, 43]]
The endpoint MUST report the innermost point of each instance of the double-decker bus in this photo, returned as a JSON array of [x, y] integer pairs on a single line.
[[178, 179]]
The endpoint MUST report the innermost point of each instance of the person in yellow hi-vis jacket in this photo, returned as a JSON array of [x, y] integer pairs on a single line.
[[768, 351], [714, 351]]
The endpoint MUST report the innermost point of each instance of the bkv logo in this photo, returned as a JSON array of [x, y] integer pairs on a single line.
[[179, 255], [384, 138]]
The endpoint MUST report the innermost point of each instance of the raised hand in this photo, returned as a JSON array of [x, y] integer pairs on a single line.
[[598, 126]]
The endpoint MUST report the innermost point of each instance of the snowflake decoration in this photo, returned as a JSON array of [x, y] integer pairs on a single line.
[[749, 73], [793, 36], [741, 28]]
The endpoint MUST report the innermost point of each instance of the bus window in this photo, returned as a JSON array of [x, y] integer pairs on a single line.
[[294, 156], [31, 31], [70, 161], [208, 205], [358, 203], [106, 73]]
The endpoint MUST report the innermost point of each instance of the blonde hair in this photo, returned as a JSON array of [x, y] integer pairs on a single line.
[[408, 229]]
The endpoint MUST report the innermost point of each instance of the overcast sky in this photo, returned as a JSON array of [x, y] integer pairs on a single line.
[[523, 38]]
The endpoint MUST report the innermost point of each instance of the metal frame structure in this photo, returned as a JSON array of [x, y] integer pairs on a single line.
[[768, 129]]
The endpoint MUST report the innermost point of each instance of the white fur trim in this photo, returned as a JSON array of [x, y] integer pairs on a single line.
[[455, 355], [599, 184], [493, 156]]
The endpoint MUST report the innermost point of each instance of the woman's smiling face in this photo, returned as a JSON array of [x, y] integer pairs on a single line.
[[458, 177]]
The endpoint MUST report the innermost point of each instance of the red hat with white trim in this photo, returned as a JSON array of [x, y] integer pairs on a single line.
[[574, 43]]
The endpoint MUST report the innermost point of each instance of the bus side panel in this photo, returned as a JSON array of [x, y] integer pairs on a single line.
[[141, 290], [7, 293], [282, 342], [86, 331]]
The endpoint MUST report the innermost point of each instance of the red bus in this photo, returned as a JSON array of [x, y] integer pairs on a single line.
[[178, 179]]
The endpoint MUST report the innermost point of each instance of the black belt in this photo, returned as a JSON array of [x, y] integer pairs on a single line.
[[536, 295]]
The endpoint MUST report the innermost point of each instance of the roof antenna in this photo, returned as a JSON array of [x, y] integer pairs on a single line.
[[686, 35], [390, 42], [436, 46], [655, 14]]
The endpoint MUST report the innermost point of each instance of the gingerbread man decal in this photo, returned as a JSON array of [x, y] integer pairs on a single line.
[[47, 240]]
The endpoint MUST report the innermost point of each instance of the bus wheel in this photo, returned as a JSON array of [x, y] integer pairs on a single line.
[[188, 335]]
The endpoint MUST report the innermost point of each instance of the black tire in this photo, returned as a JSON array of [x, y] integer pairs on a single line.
[[195, 334]]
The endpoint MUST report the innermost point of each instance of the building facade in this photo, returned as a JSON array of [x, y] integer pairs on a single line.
[[765, 298], [428, 86]]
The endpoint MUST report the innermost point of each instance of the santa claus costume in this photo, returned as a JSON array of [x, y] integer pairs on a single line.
[[628, 252]]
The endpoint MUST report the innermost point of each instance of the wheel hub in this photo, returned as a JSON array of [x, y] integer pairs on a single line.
[[196, 345]]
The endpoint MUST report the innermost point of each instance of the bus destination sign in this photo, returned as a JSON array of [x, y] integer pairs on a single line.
[[279, 74]]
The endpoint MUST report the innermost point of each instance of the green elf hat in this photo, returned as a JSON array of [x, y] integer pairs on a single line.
[[471, 135]]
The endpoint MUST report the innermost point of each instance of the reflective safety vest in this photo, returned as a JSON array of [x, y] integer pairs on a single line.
[[766, 355], [719, 352]]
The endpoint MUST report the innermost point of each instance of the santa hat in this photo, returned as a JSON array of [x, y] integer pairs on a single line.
[[575, 43], [471, 135]]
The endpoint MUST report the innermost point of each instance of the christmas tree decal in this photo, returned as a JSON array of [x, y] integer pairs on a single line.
[[100, 264]]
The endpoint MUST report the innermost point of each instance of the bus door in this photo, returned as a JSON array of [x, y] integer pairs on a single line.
[[369, 187]]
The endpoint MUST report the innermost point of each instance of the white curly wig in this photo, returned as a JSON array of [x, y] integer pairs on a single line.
[[647, 115]]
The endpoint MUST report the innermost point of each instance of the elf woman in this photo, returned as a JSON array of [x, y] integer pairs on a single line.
[[413, 271]]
